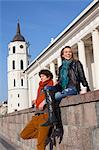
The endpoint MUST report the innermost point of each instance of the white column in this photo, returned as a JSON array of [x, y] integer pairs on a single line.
[[81, 54], [95, 41], [89, 68], [59, 61], [52, 69], [29, 92]]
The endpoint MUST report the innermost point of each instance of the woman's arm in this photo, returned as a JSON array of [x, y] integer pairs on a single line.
[[81, 75]]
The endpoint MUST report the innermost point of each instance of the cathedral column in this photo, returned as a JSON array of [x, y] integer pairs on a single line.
[[59, 61], [52, 69], [81, 54], [95, 42]]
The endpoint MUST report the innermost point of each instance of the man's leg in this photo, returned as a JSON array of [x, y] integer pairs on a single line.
[[42, 132], [30, 131]]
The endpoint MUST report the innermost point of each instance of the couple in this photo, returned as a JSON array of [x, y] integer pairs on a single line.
[[71, 74]]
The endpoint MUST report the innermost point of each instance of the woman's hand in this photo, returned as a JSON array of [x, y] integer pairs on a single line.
[[83, 90]]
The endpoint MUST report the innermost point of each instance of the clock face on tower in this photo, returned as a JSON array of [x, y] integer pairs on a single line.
[[21, 46]]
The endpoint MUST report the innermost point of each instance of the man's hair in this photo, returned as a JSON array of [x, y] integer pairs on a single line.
[[46, 73]]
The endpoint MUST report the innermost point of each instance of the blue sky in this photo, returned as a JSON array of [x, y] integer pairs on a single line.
[[40, 20]]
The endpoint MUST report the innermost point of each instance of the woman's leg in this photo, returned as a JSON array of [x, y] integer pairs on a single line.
[[58, 96], [64, 93]]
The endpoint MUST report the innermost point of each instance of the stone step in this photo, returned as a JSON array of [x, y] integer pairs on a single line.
[[5, 144], [2, 147]]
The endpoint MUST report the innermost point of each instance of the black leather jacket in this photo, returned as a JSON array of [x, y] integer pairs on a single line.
[[76, 75]]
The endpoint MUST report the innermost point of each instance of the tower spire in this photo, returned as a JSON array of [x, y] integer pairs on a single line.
[[18, 28], [18, 36]]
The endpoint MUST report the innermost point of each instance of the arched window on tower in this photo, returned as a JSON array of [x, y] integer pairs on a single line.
[[13, 64], [14, 83], [21, 82], [21, 64], [18, 104], [13, 49]]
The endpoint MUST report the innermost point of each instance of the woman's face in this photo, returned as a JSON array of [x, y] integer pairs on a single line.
[[67, 53], [44, 77]]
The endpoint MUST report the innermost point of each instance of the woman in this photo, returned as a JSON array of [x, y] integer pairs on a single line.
[[71, 74], [34, 129]]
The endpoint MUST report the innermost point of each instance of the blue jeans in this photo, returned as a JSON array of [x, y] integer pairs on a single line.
[[66, 92]]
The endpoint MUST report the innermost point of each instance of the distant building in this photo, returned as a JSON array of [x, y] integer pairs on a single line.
[[82, 35], [3, 108]]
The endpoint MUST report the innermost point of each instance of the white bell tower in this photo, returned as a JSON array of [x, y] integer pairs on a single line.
[[18, 60]]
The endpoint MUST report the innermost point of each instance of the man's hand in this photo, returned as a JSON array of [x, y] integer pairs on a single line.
[[55, 83], [41, 106], [33, 103]]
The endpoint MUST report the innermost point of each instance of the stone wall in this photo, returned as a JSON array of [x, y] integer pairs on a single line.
[[80, 117]]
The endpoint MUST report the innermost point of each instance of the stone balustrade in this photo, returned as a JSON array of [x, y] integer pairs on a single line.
[[80, 117]]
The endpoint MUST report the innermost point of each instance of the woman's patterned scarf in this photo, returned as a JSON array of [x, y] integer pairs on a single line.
[[64, 78]]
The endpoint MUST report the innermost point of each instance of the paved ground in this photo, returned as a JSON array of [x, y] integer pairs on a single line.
[[7, 145], [2, 147]]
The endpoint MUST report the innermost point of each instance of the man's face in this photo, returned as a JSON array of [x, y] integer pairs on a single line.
[[44, 77]]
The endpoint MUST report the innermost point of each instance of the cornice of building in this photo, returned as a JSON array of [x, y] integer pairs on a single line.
[[81, 15]]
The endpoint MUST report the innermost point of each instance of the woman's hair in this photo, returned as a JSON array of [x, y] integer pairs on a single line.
[[62, 51], [46, 73]]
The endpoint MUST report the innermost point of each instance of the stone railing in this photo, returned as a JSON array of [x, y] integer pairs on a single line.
[[80, 117]]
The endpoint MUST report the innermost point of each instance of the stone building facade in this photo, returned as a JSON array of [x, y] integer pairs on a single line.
[[3, 108], [83, 36]]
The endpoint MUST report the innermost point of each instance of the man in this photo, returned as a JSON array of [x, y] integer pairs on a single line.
[[34, 129]]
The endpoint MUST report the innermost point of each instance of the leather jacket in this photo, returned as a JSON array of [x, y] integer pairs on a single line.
[[76, 75]]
